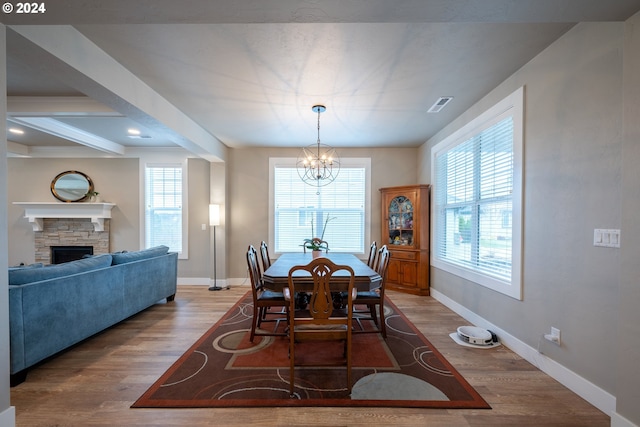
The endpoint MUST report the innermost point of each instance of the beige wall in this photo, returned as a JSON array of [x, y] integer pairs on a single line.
[[245, 216], [200, 258], [117, 181], [248, 175], [628, 333], [574, 100]]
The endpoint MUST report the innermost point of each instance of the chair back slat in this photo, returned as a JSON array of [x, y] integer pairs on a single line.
[[373, 249], [322, 271], [264, 254], [383, 262], [255, 273], [321, 302]]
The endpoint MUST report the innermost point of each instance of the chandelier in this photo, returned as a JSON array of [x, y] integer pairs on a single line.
[[318, 164]]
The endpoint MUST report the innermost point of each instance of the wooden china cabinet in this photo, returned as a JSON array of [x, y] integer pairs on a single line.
[[405, 231]]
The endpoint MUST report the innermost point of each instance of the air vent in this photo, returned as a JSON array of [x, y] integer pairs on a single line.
[[440, 103], [139, 136]]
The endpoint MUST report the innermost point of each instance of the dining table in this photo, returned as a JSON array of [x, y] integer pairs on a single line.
[[276, 277]]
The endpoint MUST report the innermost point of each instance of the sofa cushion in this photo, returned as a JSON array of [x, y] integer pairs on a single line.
[[34, 265], [21, 276], [125, 257]]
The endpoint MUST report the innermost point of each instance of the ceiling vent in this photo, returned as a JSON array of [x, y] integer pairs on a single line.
[[139, 136], [440, 103]]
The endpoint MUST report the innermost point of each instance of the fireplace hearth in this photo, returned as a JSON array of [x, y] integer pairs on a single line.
[[60, 254]]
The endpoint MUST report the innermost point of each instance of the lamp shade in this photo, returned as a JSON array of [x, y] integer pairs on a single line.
[[214, 214]]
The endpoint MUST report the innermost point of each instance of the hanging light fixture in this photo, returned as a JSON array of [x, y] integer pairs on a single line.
[[318, 164]]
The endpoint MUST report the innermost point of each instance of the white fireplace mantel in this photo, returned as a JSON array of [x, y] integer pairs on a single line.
[[35, 212]]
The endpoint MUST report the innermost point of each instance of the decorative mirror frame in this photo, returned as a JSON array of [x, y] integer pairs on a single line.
[[56, 190]]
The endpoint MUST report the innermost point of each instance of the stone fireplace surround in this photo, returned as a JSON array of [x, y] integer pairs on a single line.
[[70, 232]]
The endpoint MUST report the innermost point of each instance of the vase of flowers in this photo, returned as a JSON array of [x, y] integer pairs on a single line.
[[317, 244], [92, 196]]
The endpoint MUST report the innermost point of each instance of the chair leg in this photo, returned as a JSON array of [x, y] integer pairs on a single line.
[[383, 322], [254, 322], [292, 365], [261, 315], [374, 315], [349, 344]]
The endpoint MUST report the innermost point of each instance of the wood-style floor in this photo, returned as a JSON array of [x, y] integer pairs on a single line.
[[94, 383]]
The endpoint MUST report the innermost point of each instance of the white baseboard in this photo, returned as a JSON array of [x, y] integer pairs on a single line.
[[198, 281], [240, 281], [618, 420], [593, 394], [8, 417], [205, 281]]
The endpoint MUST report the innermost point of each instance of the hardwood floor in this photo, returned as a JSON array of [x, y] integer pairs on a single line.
[[94, 383]]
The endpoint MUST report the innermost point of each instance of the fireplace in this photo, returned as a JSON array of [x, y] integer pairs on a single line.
[[66, 232], [60, 254]]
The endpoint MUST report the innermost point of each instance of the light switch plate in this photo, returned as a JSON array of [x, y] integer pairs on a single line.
[[606, 237]]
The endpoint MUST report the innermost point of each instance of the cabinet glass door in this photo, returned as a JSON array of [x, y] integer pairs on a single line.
[[400, 221]]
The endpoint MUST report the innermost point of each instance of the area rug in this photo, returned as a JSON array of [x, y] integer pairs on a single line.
[[224, 369]]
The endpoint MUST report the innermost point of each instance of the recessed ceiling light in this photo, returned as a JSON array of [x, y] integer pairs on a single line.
[[16, 131], [133, 131]]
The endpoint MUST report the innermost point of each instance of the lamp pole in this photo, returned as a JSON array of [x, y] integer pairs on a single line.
[[214, 219]]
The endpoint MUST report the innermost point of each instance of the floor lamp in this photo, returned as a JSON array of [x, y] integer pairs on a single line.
[[214, 219]]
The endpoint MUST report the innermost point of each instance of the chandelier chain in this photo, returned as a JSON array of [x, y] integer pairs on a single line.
[[319, 126]]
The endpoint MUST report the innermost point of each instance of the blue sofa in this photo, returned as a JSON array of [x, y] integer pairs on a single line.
[[54, 307]]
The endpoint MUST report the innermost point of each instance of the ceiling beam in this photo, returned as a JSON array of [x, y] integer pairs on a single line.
[[55, 105], [41, 113], [65, 54], [63, 130]]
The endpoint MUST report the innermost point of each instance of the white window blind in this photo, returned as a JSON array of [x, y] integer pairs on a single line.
[[477, 188], [163, 206], [297, 206]]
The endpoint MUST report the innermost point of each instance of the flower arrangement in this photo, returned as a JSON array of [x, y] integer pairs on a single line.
[[317, 243], [91, 195]]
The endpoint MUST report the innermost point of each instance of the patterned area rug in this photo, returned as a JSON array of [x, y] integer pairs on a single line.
[[224, 369]]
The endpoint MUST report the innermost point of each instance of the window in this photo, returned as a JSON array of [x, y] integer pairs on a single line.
[[164, 206], [297, 206], [477, 177]]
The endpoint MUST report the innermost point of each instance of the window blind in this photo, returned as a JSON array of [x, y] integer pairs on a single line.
[[163, 207], [474, 187], [301, 211]]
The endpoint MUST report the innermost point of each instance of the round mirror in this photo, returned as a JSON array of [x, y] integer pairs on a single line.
[[71, 186]]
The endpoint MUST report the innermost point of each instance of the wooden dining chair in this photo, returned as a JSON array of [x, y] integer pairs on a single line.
[[320, 322], [374, 299], [263, 299], [264, 254], [373, 250]]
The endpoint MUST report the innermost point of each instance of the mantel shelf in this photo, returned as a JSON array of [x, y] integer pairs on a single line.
[[35, 212]]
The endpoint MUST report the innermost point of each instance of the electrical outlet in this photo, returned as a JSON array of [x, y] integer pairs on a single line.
[[554, 336]]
